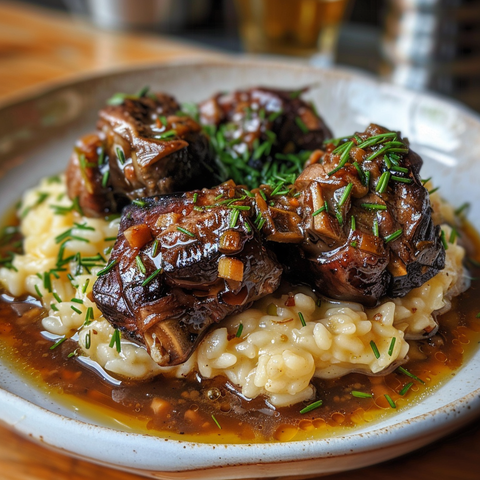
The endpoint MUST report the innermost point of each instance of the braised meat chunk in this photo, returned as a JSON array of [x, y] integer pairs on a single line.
[[181, 263], [366, 220], [144, 146], [256, 128]]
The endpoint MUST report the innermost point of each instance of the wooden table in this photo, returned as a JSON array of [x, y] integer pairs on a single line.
[[38, 47]]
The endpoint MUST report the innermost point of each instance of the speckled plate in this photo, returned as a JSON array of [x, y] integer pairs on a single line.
[[36, 137]]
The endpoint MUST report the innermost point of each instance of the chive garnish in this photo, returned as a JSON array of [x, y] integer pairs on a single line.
[[453, 235], [262, 193], [339, 218], [383, 182], [392, 346], [345, 194], [300, 123], [393, 236], [151, 277], [361, 174], [390, 401], [320, 210], [354, 244], [343, 158], [295, 94], [140, 264], [373, 206], [39, 293], [77, 300], [462, 208], [401, 179], [54, 307], [115, 341], [273, 116], [76, 310], [361, 394], [302, 319], [72, 354], [311, 407], [155, 248], [89, 316], [234, 218], [239, 330], [186, 232], [411, 375], [105, 177], [139, 203], [433, 190], [353, 223], [396, 168], [47, 282], [166, 135], [374, 349], [216, 422], [444, 240], [195, 197], [120, 155], [406, 388], [88, 339], [110, 239], [107, 268], [57, 297], [85, 285], [57, 343], [375, 227]]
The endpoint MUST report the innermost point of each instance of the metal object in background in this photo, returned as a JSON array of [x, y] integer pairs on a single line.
[[434, 44]]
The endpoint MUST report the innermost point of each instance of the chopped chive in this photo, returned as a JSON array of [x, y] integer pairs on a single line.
[[444, 240], [273, 116], [105, 177], [195, 197], [295, 94], [311, 407], [218, 197], [401, 179], [300, 123], [248, 193], [406, 388], [393, 236], [239, 330], [320, 210], [302, 319], [101, 156], [354, 244], [47, 282], [54, 307], [186, 232], [166, 135], [353, 223], [57, 298], [120, 155], [140, 264], [390, 401], [110, 239], [155, 248], [361, 394], [339, 218], [392, 346], [77, 300], [383, 182], [139, 203], [39, 293], [343, 158], [248, 227], [453, 235], [115, 341], [76, 310], [151, 277], [85, 285], [57, 343], [411, 375], [345, 194], [373, 206], [396, 168], [107, 268], [88, 339], [433, 190], [375, 227], [89, 316], [72, 354], [262, 194], [234, 218], [216, 422], [461, 209], [143, 91], [361, 174], [375, 349]]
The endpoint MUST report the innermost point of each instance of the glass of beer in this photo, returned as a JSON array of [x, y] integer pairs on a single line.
[[302, 28]]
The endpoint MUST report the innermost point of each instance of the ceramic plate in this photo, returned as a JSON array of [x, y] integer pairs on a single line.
[[36, 137]]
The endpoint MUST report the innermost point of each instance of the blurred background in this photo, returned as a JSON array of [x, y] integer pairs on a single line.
[[422, 44]]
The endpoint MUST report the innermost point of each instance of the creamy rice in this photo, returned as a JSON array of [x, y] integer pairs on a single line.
[[264, 350]]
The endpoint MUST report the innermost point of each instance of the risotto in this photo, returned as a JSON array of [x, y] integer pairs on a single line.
[[273, 349]]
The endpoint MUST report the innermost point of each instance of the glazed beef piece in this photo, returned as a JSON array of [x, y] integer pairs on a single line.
[[361, 219], [260, 124], [144, 146], [181, 263]]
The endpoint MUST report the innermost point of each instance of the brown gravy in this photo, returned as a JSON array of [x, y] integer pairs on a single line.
[[194, 409]]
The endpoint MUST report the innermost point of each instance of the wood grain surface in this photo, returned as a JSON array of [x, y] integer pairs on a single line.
[[39, 46]]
